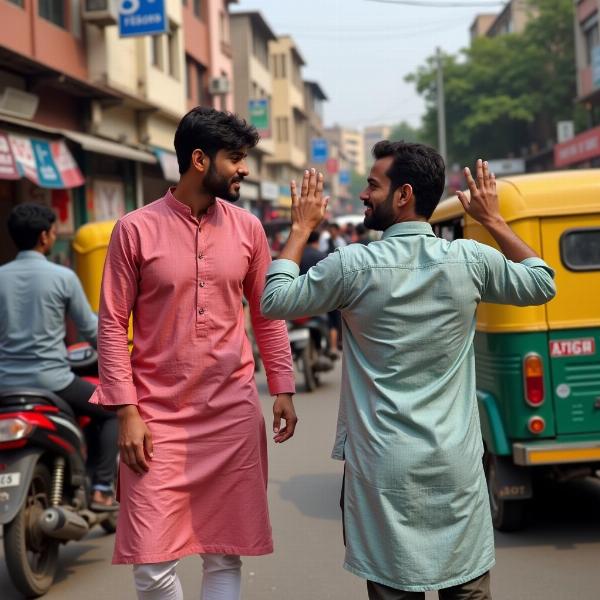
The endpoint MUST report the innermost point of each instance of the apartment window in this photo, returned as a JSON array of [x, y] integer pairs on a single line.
[[173, 51], [279, 66], [591, 36], [188, 78], [20, 3], [281, 126], [202, 96], [224, 26], [260, 49], [156, 51], [53, 11], [198, 9]]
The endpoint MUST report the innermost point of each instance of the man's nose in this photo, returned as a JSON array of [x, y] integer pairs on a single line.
[[243, 169]]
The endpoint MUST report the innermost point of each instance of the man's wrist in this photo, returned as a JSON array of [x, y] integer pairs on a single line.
[[126, 410], [301, 231], [493, 222]]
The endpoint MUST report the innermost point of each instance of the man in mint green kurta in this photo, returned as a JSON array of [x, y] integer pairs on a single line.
[[416, 510]]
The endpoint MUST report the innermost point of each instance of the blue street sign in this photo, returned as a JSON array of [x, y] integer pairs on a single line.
[[344, 177], [319, 150], [142, 17]]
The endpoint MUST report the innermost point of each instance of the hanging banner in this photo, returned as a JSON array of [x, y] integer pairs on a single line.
[[8, 166], [48, 164], [67, 167]]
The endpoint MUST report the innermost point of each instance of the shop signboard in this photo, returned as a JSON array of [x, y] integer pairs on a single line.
[[258, 111], [142, 17], [319, 150], [8, 166], [344, 177]]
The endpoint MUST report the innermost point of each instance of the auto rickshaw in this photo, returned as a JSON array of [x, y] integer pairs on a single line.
[[538, 367]]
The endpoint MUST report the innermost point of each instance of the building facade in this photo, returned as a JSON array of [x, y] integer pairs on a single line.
[[87, 118], [288, 115], [583, 150], [253, 100], [352, 145]]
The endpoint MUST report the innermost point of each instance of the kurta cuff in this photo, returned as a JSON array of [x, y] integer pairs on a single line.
[[283, 265], [281, 383], [115, 394]]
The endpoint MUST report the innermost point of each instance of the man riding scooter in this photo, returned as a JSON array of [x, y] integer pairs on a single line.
[[35, 297]]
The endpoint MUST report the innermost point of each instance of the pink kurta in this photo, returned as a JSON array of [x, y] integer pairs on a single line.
[[191, 374]]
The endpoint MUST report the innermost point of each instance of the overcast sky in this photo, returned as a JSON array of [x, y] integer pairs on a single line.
[[360, 51]]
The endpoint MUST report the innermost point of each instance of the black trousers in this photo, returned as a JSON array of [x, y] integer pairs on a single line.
[[476, 589], [101, 434]]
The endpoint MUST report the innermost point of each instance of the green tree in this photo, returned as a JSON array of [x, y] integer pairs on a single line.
[[406, 132], [504, 94]]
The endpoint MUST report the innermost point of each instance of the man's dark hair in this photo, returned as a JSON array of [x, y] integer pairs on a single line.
[[26, 222], [211, 130], [313, 237], [420, 166]]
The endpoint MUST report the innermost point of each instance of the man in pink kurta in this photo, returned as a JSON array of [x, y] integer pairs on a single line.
[[192, 434]]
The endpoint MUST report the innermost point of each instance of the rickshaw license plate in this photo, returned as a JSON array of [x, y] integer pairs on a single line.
[[10, 479], [579, 347]]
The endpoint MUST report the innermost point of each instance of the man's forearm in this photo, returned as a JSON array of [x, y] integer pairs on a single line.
[[294, 247], [511, 245]]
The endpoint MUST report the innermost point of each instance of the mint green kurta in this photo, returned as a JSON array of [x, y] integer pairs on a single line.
[[416, 508]]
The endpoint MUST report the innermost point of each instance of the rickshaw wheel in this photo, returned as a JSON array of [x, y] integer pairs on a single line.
[[507, 515]]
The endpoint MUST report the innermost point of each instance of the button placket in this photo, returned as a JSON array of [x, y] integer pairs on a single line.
[[200, 283]]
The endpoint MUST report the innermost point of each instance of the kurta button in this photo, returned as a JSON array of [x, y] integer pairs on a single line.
[[202, 284], [200, 256], [200, 311]]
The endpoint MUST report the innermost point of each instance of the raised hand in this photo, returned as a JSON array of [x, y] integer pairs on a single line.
[[482, 202], [308, 210]]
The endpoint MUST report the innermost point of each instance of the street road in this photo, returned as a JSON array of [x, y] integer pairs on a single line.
[[557, 558]]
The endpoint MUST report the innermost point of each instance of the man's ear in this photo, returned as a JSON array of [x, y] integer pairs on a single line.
[[200, 161], [404, 194]]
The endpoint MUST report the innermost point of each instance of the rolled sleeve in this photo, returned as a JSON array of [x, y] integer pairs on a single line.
[[526, 283], [289, 296]]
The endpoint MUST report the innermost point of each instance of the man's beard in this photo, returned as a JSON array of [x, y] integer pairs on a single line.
[[220, 186], [382, 215]]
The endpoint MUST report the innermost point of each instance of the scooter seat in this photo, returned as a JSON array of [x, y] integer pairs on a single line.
[[23, 396]]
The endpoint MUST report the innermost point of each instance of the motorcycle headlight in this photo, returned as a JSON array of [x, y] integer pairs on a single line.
[[14, 429]]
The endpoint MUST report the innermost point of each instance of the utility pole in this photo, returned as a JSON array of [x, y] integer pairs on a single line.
[[441, 106]]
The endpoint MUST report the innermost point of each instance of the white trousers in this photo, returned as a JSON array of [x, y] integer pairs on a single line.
[[221, 579]]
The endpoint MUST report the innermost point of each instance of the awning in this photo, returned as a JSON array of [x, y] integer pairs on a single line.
[[92, 143], [48, 163], [168, 163]]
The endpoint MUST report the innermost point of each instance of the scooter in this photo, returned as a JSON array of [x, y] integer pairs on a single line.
[[309, 342], [44, 487]]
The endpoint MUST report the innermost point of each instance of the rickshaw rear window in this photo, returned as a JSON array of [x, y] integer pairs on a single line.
[[580, 249]]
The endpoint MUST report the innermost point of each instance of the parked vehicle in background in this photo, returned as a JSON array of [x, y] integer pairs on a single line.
[[44, 487], [309, 341], [538, 367]]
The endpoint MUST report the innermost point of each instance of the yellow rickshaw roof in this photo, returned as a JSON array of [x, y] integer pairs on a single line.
[[546, 194]]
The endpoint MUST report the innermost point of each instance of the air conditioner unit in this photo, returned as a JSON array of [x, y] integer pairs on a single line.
[[18, 103], [100, 12], [219, 86]]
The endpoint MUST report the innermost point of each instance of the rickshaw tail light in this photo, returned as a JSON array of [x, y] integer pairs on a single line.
[[536, 425], [533, 371]]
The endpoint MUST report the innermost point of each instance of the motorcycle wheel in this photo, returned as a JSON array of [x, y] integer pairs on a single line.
[[310, 379], [31, 557]]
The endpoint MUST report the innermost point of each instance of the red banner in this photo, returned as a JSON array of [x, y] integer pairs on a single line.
[[582, 147]]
